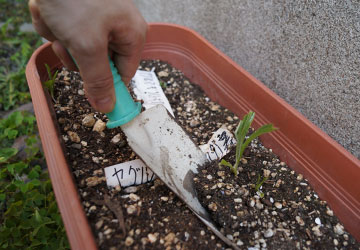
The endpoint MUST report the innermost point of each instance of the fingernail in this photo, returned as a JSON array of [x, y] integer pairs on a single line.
[[105, 105]]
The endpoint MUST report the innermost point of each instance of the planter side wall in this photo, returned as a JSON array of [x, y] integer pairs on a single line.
[[332, 171], [77, 228]]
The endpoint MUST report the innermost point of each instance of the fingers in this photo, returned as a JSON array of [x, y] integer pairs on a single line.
[[127, 66], [86, 33], [43, 30], [93, 65], [63, 55], [128, 53], [38, 23], [98, 81]]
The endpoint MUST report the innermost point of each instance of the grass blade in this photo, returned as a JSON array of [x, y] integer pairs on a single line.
[[241, 132], [263, 130]]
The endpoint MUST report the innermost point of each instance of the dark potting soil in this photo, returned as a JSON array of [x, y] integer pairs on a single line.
[[150, 216], [285, 213]]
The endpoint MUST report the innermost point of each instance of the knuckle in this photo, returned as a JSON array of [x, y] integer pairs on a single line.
[[99, 86], [85, 47], [144, 27]]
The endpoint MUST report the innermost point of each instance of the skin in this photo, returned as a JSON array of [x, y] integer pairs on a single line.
[[91, 30]]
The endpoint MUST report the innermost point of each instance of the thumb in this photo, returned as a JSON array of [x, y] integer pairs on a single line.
[[40, 26], [98, 80]]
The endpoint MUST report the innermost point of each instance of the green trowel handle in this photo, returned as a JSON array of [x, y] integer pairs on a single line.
[[125, 108]]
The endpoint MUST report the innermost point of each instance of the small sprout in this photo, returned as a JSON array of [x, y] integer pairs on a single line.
[[49, 84], [258, 185], [240, 133], [163, 84]]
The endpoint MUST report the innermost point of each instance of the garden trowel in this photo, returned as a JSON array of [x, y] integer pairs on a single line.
[[163, 145]]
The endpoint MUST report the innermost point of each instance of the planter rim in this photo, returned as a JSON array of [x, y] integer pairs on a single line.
[[301, 144], [320, 132], [77, 228]]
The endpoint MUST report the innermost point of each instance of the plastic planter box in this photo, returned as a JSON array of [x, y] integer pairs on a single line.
[[332, 171]]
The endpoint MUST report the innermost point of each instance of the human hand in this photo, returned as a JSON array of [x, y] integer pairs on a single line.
[[91, 30]]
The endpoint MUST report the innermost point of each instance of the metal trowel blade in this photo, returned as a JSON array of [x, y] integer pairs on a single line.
[[165, 147]]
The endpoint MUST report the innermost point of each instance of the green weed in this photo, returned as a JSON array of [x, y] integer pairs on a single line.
[[16, 125], [15, 51], [29, 217], [15, 9]]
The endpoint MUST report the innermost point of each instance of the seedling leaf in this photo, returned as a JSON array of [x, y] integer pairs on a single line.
[[49, 84], [228, 164], [240, 133], [258, 185], [263, 130]]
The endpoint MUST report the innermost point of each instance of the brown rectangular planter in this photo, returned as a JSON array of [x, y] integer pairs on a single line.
[[332, 171]]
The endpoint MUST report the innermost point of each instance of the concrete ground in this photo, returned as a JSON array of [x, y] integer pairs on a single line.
[[308, 52]]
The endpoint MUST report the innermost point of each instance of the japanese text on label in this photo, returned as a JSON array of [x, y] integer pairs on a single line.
[[128, 174], [219, 144], [147, 87]]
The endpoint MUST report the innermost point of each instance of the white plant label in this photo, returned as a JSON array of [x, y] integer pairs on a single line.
[[147, 88], [128, 174], [219, 144], [136, 172]]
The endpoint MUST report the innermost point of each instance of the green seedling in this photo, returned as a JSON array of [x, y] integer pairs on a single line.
[[240, 133], [49, 84], [258, 185], [162, 84]]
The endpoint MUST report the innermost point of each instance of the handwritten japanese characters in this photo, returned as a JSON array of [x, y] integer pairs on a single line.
[[219, 144], [136, 172], [147, 87], [129, 173]]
